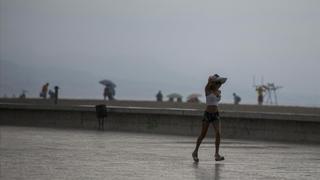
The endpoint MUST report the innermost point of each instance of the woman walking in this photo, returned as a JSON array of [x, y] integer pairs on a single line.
[[211, 114]]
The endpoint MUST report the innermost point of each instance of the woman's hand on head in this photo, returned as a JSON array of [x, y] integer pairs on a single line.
[[218, 93]]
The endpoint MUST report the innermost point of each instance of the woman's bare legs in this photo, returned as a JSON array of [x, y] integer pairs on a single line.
[[217, 143], [205, 126]]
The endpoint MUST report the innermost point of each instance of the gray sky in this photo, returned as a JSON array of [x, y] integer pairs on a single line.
[[173, 45]]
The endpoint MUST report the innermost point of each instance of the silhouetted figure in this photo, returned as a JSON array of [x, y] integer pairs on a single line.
[[101, 112], [159, 96], [22, 95], [236, 99], [56, 94], [44, 91]]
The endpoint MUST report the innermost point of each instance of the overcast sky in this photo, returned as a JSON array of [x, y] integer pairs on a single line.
[[171, 45]]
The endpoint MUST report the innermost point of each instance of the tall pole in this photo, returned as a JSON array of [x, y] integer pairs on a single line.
[[275, 97]]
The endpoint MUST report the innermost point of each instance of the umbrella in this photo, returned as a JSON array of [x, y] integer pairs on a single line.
[[174, 95], [193, 96], [107, 82]]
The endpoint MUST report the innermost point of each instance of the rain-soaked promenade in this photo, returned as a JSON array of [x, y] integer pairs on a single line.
[[44, 153]]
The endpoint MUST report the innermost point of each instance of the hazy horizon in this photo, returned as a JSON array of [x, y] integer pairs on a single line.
[[148, 45]]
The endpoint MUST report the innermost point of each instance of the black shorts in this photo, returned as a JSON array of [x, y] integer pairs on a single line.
[[211, 117]]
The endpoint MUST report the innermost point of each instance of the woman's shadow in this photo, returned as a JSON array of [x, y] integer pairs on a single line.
[[207, 172]]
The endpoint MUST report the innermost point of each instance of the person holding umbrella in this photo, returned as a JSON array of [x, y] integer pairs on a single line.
[[109, 90], [211, 115]]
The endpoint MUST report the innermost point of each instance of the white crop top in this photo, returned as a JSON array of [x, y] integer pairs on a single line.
[[212, 99]]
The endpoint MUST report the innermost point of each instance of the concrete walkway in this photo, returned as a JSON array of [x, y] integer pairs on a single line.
[[43, 153]]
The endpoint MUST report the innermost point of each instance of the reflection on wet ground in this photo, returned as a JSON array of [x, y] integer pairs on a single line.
[[42, 153]]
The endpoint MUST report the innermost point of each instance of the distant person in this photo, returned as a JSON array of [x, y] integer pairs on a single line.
[[211, 115], [236, 99], [159, 96], [22, 95], [44, 91], [56, 94], [260, 90]]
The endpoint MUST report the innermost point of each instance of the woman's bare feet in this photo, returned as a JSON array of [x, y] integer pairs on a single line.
[[195, 157], [218, 157]]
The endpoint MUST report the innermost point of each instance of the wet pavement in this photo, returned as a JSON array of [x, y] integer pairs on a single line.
[[43, 153]]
